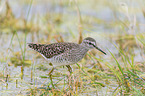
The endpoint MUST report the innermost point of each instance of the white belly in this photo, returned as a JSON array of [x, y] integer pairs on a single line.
[[57, 61]]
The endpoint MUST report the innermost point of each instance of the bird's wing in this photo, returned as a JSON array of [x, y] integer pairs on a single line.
[[53, 49]]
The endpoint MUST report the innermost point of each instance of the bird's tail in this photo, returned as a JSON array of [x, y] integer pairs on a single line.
[[35, 47]]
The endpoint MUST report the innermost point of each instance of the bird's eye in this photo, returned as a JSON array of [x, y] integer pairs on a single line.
[[90, 43]]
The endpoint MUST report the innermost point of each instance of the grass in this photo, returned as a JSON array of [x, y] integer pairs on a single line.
[[129, 76], [120, 72]]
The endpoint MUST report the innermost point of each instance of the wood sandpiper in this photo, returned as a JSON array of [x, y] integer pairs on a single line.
[[64, 53]]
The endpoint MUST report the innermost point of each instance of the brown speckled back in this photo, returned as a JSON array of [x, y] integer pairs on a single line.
[[52, 49]]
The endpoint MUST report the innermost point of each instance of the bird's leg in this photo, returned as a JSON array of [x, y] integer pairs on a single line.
[[69, 78], [69, 69], [50, 76]]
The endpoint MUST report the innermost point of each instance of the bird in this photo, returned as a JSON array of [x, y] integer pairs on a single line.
[[64, 53]]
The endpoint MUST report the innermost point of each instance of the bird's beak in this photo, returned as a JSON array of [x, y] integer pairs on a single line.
[[100, 49]]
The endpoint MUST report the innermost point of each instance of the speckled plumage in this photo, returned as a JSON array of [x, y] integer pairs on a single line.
[[64, 53]]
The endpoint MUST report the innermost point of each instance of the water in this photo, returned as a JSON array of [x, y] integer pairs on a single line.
[[99, 22]]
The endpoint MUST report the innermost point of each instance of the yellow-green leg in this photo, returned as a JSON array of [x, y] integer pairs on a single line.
[[69, 79], [69, 68], [50, 76]]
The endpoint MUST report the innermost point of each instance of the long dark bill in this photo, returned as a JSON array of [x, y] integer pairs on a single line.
[[100, 49]]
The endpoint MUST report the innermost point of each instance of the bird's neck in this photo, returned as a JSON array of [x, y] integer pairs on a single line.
[[83, 45]]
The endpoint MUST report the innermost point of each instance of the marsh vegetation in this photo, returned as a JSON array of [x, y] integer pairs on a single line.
[[118, 27]]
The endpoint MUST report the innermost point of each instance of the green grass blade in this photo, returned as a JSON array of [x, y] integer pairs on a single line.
[[117, 63], [25, 30]]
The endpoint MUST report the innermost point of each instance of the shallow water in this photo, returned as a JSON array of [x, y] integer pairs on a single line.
[[100, 21]]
